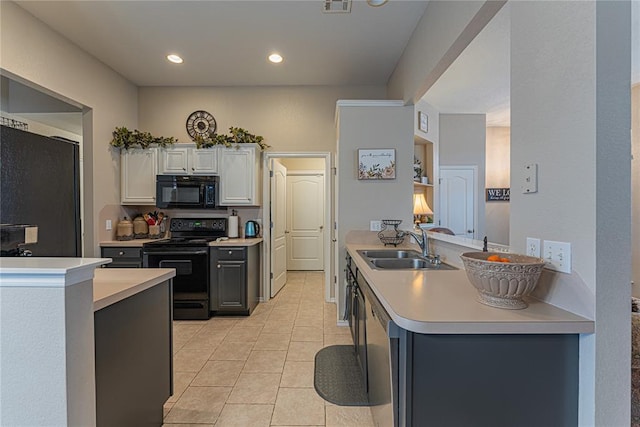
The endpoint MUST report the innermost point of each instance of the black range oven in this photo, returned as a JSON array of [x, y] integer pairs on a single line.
[[188, 252]]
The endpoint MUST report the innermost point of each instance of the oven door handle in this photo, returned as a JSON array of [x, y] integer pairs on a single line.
[[203, 252]]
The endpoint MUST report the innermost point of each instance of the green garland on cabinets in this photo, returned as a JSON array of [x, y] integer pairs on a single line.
[[124, 138], [236, 136]]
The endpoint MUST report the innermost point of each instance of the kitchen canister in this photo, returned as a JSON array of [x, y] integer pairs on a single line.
[[124, 230], [140, 228], [154, 231]]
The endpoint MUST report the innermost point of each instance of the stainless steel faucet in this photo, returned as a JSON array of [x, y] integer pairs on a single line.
[[423, 241]]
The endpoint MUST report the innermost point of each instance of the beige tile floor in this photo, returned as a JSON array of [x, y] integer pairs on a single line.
[[258, 370]]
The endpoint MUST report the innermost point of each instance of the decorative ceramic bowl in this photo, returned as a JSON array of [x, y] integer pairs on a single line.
[[502, 284]]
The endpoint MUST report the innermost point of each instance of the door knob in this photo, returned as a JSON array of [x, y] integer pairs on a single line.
[[286, 231], [321, 227], [469, 231], [218, 265]]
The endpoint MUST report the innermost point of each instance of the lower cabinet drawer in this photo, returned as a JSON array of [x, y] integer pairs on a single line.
[[123, 257], [122, 252], [230, 254]]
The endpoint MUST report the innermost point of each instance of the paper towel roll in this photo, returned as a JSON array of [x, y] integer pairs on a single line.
[[233, 226]]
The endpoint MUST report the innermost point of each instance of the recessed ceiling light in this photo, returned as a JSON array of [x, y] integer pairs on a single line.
[[376, 3], [275, 58], [174, 58]]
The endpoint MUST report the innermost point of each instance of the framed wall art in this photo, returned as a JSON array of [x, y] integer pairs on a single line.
[[423, 121], [377, 163]]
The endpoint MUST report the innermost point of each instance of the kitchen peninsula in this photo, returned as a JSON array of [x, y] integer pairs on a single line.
[[74, 339], [457, 362]]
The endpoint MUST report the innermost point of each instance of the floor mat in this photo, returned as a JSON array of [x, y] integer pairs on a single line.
[[337, 376]]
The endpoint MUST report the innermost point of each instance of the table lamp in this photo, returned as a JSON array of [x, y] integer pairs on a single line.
[[420, 207]]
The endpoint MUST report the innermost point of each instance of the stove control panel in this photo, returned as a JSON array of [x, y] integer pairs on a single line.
[[194, 224]]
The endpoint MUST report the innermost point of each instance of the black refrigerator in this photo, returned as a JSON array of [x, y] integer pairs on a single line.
[[40, 185]]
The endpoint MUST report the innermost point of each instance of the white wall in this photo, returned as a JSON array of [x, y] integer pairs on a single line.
[[296, 118], [444, 31], [360, 201], [41, 58], [296, 163], [462, 143], [570, 102], [497, 176]]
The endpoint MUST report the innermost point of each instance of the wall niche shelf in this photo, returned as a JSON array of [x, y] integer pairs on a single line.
[[424, 150], [421, 185]]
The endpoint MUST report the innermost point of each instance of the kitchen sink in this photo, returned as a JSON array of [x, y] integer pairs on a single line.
[[401, 259], [407, 264], [390, 253]]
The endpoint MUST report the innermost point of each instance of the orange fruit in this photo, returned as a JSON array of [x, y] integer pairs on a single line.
[[505, 260], [494, 258]]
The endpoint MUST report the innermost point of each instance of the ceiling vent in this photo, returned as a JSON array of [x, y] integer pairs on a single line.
[[337, 6]]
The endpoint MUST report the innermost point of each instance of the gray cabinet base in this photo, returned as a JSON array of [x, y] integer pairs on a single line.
[[490, 380], [133, 351]]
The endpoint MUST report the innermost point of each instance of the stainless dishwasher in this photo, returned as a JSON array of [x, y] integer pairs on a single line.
[[382, 339]]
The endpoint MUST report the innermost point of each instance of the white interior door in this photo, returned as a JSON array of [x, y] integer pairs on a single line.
[[279, 221], [457, 200], [305, 222]]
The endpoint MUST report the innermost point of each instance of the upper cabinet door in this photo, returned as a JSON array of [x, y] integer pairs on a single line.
[[174, 161], [138, 169], [204, 161], [186, 159], [239, 176]]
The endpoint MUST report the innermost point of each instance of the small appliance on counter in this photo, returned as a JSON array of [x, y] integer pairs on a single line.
[[14, 236], [251, 229]]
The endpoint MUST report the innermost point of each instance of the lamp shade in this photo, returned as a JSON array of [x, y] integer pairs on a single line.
[[420, 206]]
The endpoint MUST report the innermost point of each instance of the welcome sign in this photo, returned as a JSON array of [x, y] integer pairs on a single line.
[[498, 194]]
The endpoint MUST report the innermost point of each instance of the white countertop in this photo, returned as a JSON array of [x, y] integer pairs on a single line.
[[238, 242], [111, 285], [444, 302], [46, 271], [137, 243]]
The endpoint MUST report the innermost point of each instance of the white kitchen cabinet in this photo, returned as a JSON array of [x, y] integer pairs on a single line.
[[240, 175], [204, 161], [138, 169], [186, 159], [174, 161]]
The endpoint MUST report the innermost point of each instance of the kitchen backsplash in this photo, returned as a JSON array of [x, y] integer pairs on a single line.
[[116, 213]]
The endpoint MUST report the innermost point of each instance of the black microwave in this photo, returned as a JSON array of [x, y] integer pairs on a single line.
[[186, 192]]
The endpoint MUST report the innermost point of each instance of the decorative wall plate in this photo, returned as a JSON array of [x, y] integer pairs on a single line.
[[201, 123]]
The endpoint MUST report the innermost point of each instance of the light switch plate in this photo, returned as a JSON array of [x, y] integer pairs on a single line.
[[108, 225], [557, 255], [530, 179], [375, 225]]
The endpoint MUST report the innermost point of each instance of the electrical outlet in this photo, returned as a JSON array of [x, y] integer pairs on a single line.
[[375, 225], [557, 255], [533, 247], [108, 225]]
